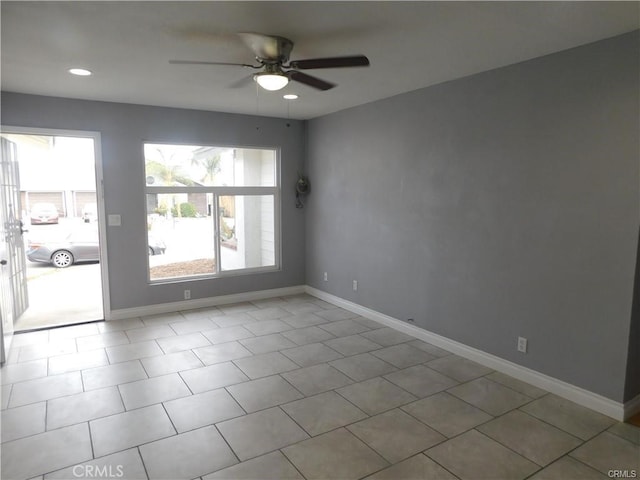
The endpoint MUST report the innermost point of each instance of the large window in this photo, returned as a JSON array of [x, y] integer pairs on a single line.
[[211, 210]]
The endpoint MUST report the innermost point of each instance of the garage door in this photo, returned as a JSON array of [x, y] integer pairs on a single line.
[[82, 199], [45, 197]]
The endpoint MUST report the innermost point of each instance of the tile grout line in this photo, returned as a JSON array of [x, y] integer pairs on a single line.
[[290, 462], [215, 425], [559, 427], [144, 465], [355, 382]]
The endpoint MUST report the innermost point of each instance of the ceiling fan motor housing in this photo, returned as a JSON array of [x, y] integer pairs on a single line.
[[268, 49], [283, 50]]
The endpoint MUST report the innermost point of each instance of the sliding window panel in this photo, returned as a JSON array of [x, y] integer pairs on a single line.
[[247, 231], [181, 241]]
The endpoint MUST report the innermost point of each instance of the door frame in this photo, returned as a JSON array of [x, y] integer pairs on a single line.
[[8, 295], [97, 155]]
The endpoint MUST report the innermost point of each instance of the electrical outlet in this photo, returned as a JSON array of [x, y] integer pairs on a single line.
[[355, 285], [325, 276], [187, 294], [522, 344]]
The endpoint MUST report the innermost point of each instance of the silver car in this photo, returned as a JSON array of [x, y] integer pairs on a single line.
[[44, 213], [80, 245]]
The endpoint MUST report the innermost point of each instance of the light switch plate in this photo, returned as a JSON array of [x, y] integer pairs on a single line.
[[114, 220]]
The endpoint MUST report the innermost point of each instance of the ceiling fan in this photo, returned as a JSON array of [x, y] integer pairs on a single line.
[[272, 54]]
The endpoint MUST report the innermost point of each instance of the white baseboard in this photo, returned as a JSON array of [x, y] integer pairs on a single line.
[[632, 407], [563, 389], [124, 313], [586, 398]]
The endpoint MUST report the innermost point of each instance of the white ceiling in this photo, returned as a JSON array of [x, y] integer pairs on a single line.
[[410, 45]]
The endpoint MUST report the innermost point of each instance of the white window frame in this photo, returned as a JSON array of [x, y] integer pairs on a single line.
[[219, 191]]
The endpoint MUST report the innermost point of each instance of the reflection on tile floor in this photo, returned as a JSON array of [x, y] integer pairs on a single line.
[[283, 388]]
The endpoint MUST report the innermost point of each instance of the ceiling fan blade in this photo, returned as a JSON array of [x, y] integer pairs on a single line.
[[243, 82], [197, 62], [331, 62], [309, 80]]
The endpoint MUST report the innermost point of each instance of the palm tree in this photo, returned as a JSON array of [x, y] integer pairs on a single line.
[[169, 173], [210, 163], [212, 166]]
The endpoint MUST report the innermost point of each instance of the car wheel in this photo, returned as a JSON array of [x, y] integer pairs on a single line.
[[151, 252], [62, 259]]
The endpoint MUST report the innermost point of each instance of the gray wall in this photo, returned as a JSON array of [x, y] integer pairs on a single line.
[[632, 387], [499, 205], [123, 129]]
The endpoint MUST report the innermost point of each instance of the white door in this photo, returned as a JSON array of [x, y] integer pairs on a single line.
[[13, 273]]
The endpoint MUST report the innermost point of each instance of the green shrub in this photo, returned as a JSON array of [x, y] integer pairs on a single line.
[[226, 231], [162, 209], [187, 210]]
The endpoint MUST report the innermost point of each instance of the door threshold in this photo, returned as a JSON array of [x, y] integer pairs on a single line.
[[53, 327]]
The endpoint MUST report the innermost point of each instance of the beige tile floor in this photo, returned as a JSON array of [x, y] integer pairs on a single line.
[[286, 388]]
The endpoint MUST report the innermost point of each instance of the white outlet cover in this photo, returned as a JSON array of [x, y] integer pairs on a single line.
[[522, 344], [114, 220]]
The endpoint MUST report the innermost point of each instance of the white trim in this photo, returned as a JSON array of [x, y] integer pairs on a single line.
[[97, 153], [222, 191], [632, 407], [123, 313], [102, 226], [563, 389], [583, 397]]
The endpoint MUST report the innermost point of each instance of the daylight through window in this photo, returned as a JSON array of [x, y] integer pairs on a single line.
[[211, 210]]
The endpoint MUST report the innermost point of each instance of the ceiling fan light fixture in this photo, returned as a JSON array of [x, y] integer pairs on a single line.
[[271, 81]]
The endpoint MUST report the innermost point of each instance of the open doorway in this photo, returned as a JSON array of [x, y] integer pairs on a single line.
[[59, 215]]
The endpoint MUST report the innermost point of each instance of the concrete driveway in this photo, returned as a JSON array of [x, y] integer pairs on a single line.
[[62, 296], [59, 296]]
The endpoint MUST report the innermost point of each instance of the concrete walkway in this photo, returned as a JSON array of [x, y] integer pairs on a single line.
[[62, 296]]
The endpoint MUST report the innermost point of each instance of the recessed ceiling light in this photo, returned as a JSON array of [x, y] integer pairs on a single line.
[[80, 71], [290, 96]]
